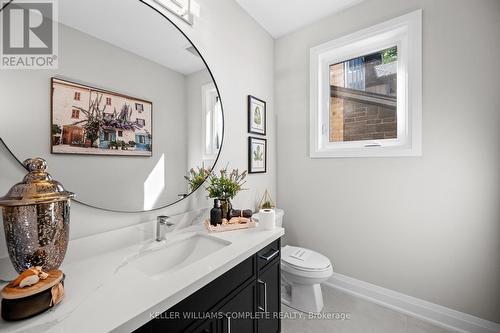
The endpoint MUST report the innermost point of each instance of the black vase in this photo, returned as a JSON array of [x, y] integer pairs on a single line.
[[216, 213]]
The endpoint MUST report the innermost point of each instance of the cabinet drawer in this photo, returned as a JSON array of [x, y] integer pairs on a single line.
[[203, 300], [268, 254]]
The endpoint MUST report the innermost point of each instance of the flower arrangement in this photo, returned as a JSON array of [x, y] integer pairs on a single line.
[[227, 185], [197, 177]]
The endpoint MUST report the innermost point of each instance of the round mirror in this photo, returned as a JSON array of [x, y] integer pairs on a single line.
[[125, 110]]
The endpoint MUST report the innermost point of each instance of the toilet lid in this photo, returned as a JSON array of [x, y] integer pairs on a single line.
[[304, 258]]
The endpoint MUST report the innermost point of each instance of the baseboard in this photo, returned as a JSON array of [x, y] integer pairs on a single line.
[[436, 314]]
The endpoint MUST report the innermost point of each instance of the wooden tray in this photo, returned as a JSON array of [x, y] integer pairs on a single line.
[[229, 227]]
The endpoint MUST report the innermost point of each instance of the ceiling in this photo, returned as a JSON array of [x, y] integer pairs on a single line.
[[280, 17], [133, 26]]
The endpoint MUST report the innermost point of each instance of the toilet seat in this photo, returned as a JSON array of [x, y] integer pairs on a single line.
[[295, 258]]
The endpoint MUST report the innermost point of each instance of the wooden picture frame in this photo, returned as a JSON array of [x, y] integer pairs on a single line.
[[257, 155], [257, 115], [118, 134]]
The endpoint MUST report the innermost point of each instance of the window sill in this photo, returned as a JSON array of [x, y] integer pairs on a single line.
[[397, 151]]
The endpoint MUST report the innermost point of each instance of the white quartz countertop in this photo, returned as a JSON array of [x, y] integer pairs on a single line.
[[103, 297]]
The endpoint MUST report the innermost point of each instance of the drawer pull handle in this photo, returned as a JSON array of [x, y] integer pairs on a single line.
[[269, 256], [263, 309]]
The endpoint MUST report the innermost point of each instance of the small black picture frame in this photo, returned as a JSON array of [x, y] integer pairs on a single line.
[[257, 115], [257, 155]]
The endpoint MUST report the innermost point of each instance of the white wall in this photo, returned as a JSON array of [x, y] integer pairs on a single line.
[[429, 226], [240, 55]]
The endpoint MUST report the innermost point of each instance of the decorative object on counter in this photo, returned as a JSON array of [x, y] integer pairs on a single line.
[[29, 277], [267, 219], [229, 226], [197, 177], [238, 220], [241, 213], [225, 187], [91, 127], [256, 115], [226, 206], [36, 214], [267, 202], [257, 155], [216, 213], [24, 301]]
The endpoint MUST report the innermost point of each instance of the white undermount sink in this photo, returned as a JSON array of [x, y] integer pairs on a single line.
[[176, 253]]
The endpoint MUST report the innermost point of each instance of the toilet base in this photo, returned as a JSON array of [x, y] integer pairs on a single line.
[[303, 297]]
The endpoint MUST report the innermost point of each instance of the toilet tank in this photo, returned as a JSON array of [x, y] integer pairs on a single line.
[[279, 217]]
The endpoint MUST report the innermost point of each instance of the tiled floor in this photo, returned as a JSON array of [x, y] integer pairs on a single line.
[[363, 317]]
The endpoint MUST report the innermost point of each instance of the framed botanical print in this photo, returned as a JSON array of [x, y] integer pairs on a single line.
[[257, 155], [256, 115]]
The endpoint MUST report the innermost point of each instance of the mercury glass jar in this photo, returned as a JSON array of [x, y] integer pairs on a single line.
[[36, 219]]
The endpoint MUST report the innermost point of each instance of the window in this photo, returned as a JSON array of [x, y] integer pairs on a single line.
[[366, 92], [107, 136], [108, 100], [75, 114], [140, 121], [139, 107], [363, 97], [212, 122], [77, 96], [142, 139], [120, 133]]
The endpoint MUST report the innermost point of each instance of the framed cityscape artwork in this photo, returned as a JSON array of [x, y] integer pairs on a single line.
[[90, 121]]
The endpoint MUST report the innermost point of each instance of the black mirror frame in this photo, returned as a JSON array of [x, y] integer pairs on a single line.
[[223, 127]]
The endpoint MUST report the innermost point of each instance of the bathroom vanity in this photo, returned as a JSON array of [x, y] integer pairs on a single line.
[[115, 282], [124, 280], [244, 299]]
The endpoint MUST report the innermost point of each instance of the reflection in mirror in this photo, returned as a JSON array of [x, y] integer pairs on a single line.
[[212, 121], [129, 110]]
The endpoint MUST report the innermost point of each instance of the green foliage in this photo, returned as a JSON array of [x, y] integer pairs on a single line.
[[56, 129], [258, 154], [131, 143], [267, 205], [122, 144], [257, 116], [91, 128], [227, 185], [390, 55], [197, 177]]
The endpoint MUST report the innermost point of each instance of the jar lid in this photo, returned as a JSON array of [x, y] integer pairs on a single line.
[[36, 187]]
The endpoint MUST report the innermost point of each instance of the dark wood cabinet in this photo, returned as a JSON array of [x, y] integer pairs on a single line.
[[268, 298], [245, 299], [208, 326], [238, 313]]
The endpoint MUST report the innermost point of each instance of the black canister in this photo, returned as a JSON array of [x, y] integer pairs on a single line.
[[216, 213]]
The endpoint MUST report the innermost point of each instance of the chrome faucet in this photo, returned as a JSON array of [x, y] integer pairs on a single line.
[[162, 220]]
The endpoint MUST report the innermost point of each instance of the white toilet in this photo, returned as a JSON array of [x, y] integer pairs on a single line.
[[303, 271]]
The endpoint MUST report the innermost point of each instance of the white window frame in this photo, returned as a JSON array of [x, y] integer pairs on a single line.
[[405, 32], [209, 97]]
